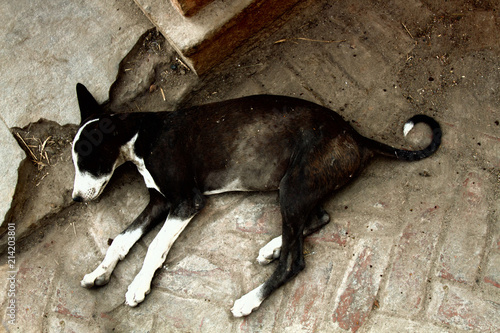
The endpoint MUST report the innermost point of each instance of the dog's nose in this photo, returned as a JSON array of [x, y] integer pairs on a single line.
[[78, 198]]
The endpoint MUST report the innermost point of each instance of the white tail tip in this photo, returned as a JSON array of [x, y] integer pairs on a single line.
[[408, 127]]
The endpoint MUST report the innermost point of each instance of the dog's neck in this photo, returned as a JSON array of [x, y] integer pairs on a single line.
[[136, 133], [127, 151]]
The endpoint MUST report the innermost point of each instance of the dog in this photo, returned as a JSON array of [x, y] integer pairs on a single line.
[[257, 143]]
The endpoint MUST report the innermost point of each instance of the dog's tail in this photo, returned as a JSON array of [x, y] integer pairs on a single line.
[[411, 155]]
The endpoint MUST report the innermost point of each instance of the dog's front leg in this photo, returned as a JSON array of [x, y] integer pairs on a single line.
[[156, 255], [154, 212]]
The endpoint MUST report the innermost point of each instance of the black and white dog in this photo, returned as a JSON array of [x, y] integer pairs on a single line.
[[256, 143]]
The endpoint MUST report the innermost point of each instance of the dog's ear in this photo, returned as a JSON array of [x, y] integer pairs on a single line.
[[88, 104]]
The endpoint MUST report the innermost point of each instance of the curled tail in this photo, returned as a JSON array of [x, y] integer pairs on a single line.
[[411, 155]]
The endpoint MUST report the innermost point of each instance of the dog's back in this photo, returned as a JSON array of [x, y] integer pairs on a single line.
[[247, 144]]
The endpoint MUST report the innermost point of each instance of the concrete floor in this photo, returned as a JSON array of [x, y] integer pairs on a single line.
[[45, 49], [412, 247]]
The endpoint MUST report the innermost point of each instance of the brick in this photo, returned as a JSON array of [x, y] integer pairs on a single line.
[[464, 309], [163, 312], [63, 324], [460, 255], [260, 321], [406, 286], [375, 45], [383, 323], [492, 270], [281, 80], [357, 293], [139, 319], [188, 315], [196, 277], [319, 73], [33, 286], [303, 304], [72, 302], [488, 148], [356, 72], [266, 318]]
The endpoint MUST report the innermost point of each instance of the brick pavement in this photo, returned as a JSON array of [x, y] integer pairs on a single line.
[[412, 247]]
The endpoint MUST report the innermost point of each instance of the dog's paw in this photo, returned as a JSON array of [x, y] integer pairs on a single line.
[[136, 292], [98, 277], [270, 251], [249, 302]]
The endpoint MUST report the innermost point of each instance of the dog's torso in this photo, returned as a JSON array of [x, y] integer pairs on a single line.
[[243, 145]]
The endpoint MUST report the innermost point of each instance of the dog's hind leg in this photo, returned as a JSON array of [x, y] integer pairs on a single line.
[[291, 262], [175, 223], [155, 211], [298, 200], [312, 175], [272, 250]]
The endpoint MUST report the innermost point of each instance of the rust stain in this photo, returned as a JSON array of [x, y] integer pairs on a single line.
[[353, 308], [492, 282], [65, 311]]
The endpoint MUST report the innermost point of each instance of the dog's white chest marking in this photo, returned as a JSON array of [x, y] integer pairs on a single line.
[[128, 154]]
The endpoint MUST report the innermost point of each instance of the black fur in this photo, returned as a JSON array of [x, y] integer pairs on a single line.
[[303, 150]]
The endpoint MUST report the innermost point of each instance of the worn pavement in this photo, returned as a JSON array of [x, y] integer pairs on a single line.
[[412, 247]]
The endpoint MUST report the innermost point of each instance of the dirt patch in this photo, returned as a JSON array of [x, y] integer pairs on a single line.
[[45, 176], [150, 78]]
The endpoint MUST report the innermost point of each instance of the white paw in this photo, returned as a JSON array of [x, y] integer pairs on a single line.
[[249, 302], [98, 277], [137, 291], [270, 251]]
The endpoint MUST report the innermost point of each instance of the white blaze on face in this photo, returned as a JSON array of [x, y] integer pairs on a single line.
[[87, 187]]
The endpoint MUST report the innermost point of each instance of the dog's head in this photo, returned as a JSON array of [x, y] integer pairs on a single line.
[[95, 149]]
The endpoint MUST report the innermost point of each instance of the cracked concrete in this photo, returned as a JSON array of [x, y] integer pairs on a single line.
[[412, 247], [44, 50]]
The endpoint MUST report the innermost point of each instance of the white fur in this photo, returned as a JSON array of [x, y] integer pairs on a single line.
[[408, 127], [270, 251], [80, 130], [128, 154], [249, 302], [233, 186], [88, 186], [156, 255], [116, 252]]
